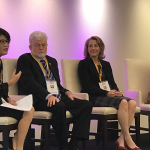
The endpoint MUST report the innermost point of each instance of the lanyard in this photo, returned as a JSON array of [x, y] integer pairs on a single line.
[[1, 72], [99, 71], [48, 75]]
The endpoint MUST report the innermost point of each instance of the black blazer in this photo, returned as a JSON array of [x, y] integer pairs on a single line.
[[32, 80], [89, 78], [3, 92], [3, 88]]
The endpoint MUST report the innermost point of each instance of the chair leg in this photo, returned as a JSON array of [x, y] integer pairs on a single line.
[[47, 136], [42, 137], [70, 132], [32, 136], [99, 130], [104, 132], [137, 128], [5, 134], [149, 127]]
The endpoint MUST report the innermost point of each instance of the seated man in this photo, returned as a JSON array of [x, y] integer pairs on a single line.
[[40, 77]]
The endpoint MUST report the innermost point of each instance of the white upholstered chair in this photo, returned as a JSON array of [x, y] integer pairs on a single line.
[[102, 114], [40, 117], [137, 84], [7, 124]]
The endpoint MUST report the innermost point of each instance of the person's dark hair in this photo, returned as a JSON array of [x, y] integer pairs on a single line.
[[100, 44], [5, 33]]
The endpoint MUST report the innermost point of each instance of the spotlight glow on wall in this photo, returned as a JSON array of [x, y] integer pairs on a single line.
[[92, 11]]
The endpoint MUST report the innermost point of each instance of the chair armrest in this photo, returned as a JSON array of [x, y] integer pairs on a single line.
[[136, 95], [16, 97], [82, 95]]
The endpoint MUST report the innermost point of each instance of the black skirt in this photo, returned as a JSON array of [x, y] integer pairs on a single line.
[[109, 101], [8, 112]]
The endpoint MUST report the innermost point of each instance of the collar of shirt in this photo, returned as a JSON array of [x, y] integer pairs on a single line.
[[40, 59]]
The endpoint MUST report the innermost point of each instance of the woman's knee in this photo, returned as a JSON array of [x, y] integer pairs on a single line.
[[123, 104], [29, 113], [32, 110], [132, 104]]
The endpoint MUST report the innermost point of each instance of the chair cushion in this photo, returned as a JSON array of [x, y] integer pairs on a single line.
[[145, 107], [8, 67], [68, 114], [48, 115], [7, 120], [104, 110], [42, 115], [70, 74], [108, 110], [138, 109]]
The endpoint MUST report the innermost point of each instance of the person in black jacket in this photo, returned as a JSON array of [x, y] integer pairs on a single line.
[[24, 118], [40, 77], [97, 80]]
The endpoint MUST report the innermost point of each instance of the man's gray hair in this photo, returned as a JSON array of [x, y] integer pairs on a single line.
[[37, 35]]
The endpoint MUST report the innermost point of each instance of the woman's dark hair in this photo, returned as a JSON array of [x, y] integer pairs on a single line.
[[5, 33]]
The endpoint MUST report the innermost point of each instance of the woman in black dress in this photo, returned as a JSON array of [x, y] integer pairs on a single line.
[[24, 118], [97, 80]]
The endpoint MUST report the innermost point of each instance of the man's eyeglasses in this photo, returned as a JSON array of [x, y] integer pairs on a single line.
[[2, 42], [39, 45]]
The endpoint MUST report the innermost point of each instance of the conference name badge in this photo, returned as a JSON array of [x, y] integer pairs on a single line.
[[104, 85], [52, 87]]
